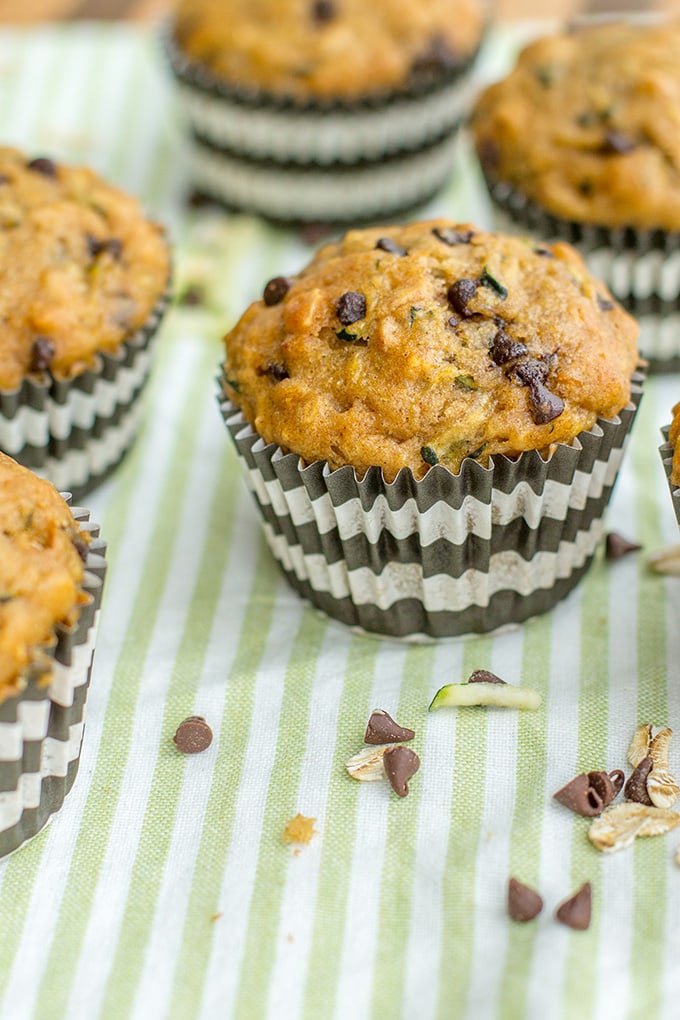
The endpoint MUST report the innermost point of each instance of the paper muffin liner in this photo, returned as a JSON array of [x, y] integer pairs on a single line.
[[75, 431], [41, 729], [640, 267], [445, 555], [666, 451]]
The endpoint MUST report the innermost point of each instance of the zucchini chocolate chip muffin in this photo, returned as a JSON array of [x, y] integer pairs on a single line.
[[581, 141], [670, 454], [322, 110], [83, 285], [432, 419], [51, 575]]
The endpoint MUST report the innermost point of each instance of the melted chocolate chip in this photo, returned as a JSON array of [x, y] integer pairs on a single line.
[[400, 764], [615, 141], [546, 406], [382, 729], [387, 244], [452, 237], [43, 165], [42, 353], [460, 293], [323, 11], [193, 735], [530, 371], [276, 290], [505, 349], [351, 307], [575, 912], [524, 903]]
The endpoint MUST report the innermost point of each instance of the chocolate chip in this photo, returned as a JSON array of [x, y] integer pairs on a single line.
[[109, 245], [602, 785], [615, 141], [504, 348], [400, 764], [530, 371], [192, 296], [575, 912], [545, 252], [450, 236], [351, 307], [636, 787], [604, 304], [277, 371], [546, 406], [524, 903], [580, 797], [460, 293], [617, 546], [437, 57], [42, 353], [43, 165], [487, 280], [323, 11], [483, 676], [382, 729], [193, 735], [429, 455], [387, 244], [276, 290], [617, 777]]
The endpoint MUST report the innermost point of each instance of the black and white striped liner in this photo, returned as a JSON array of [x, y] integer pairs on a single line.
[[335, 161], [41, 729], [75, 431], [448, 554], [666, 451], [640, 267]]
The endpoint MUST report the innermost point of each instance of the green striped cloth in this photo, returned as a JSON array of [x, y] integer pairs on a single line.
[[164, 888]]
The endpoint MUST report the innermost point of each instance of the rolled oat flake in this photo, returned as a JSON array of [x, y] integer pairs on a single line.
[[193, 735]]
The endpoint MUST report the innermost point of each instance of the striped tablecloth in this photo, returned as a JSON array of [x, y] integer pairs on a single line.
[[165, 888]]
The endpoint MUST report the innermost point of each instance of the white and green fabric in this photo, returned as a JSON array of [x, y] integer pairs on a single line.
[[164, 887]]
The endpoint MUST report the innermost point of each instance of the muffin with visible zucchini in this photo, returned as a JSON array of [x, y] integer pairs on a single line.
[[432, 418]]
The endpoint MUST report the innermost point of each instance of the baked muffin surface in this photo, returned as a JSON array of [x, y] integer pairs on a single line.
[[81, 268], [41, 568], [587, 125], [326, 49], [409, 346]]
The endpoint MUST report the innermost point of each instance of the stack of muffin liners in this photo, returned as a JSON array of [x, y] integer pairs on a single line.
[[640, 267], [41, 728], [75, 431], [447, 554]]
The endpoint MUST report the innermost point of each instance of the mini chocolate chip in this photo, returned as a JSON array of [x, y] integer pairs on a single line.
[[429, 455], [110, 245], [576, 910], [276, 290], [193, 735], [460, 293], [483, 676], [351, 307], [579, 796], [323, 11], [43, 165], [617, 777], [615, 141], [400, 764], [504, 348], [636, 787], [604, 304], [42, 353], [387, 244], [546, 406], [487, 280], [277, 371], [524, 903], [382, 729], [617, 546], [450, 236]]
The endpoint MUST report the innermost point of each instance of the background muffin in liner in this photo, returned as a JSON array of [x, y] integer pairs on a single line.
[[579, 143], [360, 135], [42, 716], [670, 455], [490, 534], [80, 324]]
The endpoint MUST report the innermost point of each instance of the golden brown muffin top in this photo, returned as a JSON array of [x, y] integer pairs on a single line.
[[326, 49], [407, 346], [588, 125], [81, 268], [41, 569], [674, 440]]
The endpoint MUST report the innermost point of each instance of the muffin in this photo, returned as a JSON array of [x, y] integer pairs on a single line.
[[670, 455], [322, 110], [581, 141], [84, 278], [51, 575], [431, 418]]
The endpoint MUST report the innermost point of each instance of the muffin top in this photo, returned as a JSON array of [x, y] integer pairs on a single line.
[[41, 570], [81, 267], [423, 344], [328, 49], [674, 440], [587, 125]]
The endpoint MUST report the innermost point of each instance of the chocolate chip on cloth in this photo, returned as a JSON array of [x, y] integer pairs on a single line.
[[528, 360], [588, 794], [193, 735], [382, 729], [524, 903], [575, 911], [400, 764]]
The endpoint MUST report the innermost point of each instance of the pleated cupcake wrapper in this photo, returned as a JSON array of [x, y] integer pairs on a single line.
[[41, 728], [666, 451], [445, 555], [75, 431], [640, 267]]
